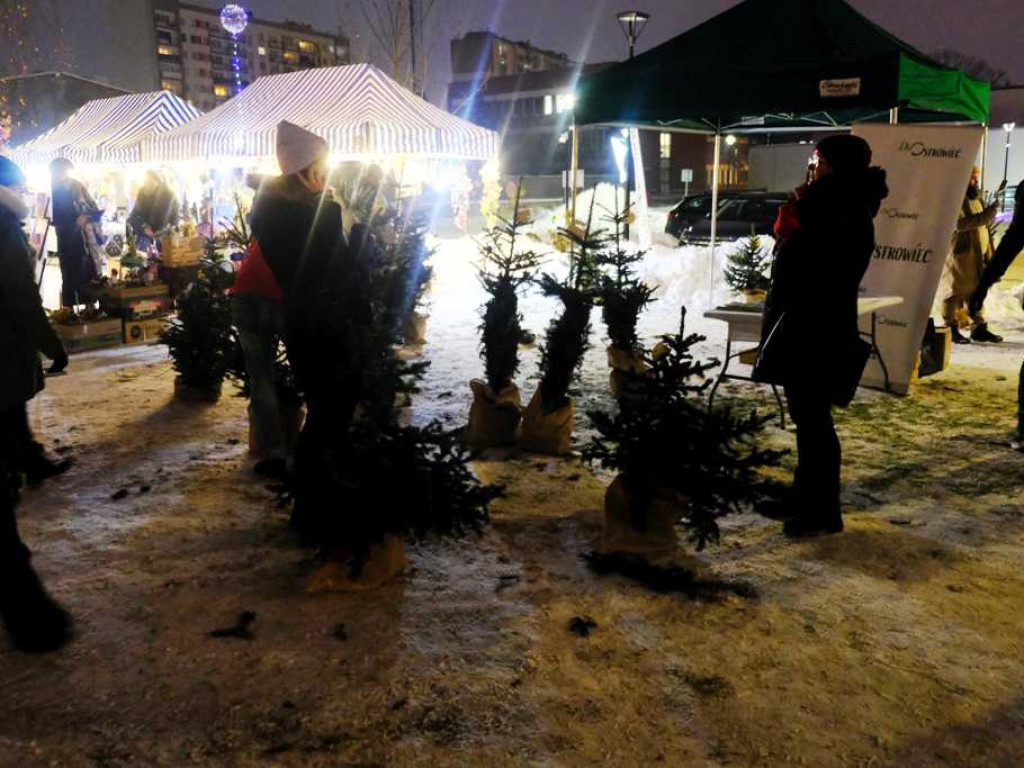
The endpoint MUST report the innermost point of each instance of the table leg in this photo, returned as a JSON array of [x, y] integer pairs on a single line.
[[725, 367], [782, 408], [878, 352]]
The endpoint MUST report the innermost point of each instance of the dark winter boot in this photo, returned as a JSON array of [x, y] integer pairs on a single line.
[[34, 620], [808, 527], [274, 469], [984, 335], [40, 468], [958, 338]]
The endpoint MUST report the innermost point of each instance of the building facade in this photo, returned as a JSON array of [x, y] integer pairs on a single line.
[[201, 62], [528, 94], [39, 101]]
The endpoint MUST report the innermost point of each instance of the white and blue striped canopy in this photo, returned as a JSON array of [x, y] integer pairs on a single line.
[[358, 109], [108, 130]]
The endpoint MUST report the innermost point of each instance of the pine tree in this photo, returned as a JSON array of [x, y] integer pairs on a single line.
[[748, 266], [381, 478], [667, 437], [622, 294], [201, 341], [503, 272], [566, 340]]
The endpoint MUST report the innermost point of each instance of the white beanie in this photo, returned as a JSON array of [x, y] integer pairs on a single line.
[[297, 148]]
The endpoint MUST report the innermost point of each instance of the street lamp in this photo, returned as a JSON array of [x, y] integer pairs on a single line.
[[1008, 127], [632, 24]]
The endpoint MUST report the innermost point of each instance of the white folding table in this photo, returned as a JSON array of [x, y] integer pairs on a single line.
[[744, 326]]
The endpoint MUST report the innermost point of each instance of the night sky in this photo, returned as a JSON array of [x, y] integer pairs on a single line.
[[993, 29]]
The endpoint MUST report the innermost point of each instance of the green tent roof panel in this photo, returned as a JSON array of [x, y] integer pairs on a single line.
[[800, 61]]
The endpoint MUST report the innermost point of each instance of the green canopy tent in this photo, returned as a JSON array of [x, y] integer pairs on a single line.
[[777, 65]]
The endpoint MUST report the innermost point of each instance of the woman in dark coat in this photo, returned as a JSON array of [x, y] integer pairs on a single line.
[[34, 621], [73, 209], [326, 304], [811, 342]]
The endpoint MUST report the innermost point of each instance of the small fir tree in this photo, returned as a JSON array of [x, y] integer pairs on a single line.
[[622, 294], [503, 272], [669, 438], [566, 340], [201, 341], [748, 266], [380, 478]]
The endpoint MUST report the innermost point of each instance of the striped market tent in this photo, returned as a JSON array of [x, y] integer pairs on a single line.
[[358, 109], [108, 130]]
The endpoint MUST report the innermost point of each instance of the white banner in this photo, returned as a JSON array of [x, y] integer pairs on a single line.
[[928, 168]]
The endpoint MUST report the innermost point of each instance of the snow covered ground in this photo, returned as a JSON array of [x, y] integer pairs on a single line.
[[895, 644]]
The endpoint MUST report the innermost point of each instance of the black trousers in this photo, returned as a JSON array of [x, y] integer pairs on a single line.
[[1020, 404], [1011, 244], [819, 453], [14, 555]]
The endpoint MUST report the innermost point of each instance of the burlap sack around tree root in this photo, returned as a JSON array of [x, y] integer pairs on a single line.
[[385, 562], [189, 394], [415, 331], [657, 537], [623, 363], [548, 433], [493, 417]]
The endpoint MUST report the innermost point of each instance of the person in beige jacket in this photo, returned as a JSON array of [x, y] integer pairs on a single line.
[[972, 250]]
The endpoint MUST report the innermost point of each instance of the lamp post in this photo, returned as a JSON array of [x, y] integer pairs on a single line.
[[1008, 127], [632, 24]]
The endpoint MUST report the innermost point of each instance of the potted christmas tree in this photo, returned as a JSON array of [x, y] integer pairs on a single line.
[[748, 268], [547, 422], [622, 296], [505, 268], [376, 482], [201, 340], [678, 460]]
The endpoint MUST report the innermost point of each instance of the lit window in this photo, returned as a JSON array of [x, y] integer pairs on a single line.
[[220, 90], [548, 105], [666, 146], [263, 51], [289, 56], [306, 47], [565, 102], [164, 50]]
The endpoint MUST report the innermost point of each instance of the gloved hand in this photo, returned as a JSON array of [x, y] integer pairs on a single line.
[[59, 363]]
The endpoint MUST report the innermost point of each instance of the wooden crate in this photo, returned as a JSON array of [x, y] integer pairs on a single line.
[[136, 303], [186, 252], [144, 331], [100, 334]]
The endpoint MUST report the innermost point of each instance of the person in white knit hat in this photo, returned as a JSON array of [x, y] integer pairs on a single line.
[[299, 280]]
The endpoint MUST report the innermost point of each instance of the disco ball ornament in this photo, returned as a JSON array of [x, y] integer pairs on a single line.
[[234, 18]]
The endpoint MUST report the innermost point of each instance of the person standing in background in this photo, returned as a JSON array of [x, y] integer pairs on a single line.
[[972, 251], [155, 209], [73, 211]]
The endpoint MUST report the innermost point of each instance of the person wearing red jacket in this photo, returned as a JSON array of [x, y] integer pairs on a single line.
[[258, 316]]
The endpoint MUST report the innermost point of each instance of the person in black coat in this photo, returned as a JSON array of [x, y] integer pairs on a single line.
[[326, 301], [34, 621], [811, 342], [73, 209], [156, 208]]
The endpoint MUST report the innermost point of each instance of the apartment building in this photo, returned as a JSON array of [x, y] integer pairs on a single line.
[[200, 61]]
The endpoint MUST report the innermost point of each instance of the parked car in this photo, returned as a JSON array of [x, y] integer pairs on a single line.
[[692, 209], [741, 215]]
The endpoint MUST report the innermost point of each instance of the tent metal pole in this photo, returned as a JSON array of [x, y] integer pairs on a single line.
[[570, 214], [984, 152], [714, 211]]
